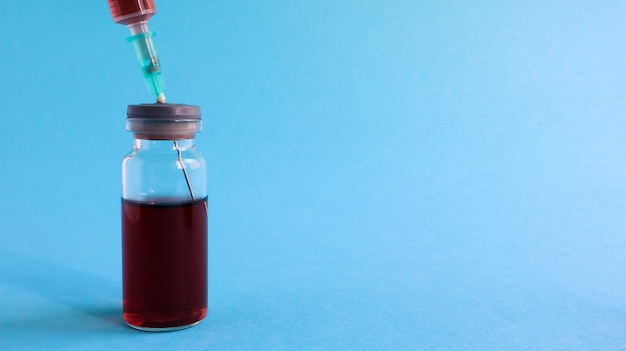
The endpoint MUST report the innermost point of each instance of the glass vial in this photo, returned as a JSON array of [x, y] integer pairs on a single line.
[[164, 219]]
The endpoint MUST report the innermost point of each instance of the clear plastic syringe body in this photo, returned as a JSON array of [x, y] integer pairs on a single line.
[[135, 15]]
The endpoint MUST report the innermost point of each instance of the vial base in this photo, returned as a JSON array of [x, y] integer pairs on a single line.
[[159, 322], [163, 329]]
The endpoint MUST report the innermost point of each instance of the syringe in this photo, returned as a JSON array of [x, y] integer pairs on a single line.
[[135, 15]]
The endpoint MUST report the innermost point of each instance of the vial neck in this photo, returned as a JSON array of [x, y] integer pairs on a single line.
[[164, 145]]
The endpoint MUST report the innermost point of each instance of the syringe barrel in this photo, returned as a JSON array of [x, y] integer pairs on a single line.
[[131, 11]]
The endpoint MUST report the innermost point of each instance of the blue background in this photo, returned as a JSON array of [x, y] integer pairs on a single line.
[[384, 175]]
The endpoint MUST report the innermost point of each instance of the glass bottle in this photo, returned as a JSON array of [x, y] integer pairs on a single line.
[[164, 219]]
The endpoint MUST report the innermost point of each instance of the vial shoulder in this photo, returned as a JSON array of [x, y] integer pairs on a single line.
[[150, 157]]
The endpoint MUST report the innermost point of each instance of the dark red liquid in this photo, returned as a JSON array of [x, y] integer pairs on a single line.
[[164, 255], [138, 10]]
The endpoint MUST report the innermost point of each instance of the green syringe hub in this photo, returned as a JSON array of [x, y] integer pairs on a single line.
[[149, 62]]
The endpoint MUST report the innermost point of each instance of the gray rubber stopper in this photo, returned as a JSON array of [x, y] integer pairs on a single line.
[[163, 121]]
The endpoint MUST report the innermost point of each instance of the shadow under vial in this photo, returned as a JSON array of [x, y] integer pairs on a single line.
[[85, 302]]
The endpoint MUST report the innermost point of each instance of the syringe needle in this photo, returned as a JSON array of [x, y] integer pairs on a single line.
[[182, 165], [161, 98]]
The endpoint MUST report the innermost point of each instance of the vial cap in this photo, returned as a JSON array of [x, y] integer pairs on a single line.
[[163, 121]]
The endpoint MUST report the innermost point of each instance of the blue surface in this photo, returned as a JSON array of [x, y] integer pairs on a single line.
[[384, 175]]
